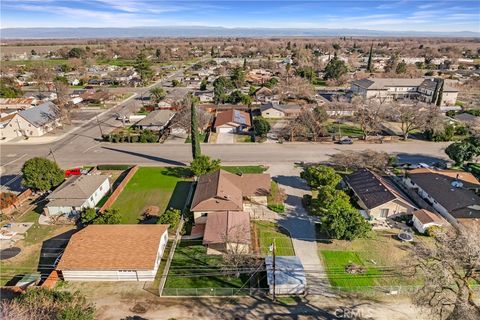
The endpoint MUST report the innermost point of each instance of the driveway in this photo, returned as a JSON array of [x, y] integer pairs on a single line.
[[225, 138], [301, 227]]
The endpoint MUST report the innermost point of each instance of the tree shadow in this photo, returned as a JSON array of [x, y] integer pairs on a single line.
[[146, 156], [178, 172], [292, 181], [179, 195]]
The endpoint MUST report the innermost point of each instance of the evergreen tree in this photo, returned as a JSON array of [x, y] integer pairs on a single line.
[[196, 152], [440, 93], [369, 63]]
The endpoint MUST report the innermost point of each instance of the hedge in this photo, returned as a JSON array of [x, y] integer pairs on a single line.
[[113, 167]]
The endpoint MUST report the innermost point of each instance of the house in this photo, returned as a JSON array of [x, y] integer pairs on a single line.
[[290, 277], [204, 96], [451, 193], [274, 110], [389, 89], [17, 103], [378, 197], [264, 95], [221, 202], [95, 96], [156, 120], [227, 231], [76, 194], [231, 121], [32, 122], [123, 252], [424, 219]]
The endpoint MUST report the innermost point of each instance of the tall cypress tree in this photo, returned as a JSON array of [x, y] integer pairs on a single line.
[[369, 63], [196, 152], [440, 93]]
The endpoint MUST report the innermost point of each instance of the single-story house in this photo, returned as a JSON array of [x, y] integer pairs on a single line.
[[32, 122], [231, 121], [377, 196], [156, 120], [274, 110], [224, 191], [221, 202], [424, 219], [264, 94], [452, 193], [227, 231], [204, 96], [290, 277], [123, 252], [76, 194]]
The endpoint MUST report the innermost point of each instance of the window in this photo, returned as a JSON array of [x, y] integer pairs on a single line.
[[383, 213]]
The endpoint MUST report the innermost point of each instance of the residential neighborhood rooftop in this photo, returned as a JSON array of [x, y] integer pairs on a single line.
[[227, 226], [75, 190], [113, 247]]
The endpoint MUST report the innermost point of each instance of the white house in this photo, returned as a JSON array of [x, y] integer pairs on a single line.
[[122, 252], [389, 89], [290, 275], [32, 122], [76, 194], [156, 120], [424, 219]]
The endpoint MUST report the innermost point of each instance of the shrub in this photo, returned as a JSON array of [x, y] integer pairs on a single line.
[[277, 207], [113, 167], [7, 199], [432, 231], [203, 165], [171, 217]]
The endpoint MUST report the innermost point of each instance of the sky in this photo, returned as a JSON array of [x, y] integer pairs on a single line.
[[391, 15]]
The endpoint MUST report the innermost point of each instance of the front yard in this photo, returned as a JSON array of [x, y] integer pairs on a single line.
[[192, 268], [382, 257], [152, 186], [266, 232]]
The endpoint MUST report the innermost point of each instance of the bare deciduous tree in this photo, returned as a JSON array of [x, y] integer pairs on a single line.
[[369, 114], [450, 271], [412, 115], [377, 161]]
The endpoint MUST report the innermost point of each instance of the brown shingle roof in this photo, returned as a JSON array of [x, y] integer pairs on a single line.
[[231, 226], [224, 191], [113, 247], [425, 216], [233, 116]]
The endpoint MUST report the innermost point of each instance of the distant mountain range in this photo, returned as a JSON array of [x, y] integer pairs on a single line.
[[192, 31]]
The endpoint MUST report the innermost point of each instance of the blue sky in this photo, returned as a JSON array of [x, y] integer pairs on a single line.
[[391, 15]]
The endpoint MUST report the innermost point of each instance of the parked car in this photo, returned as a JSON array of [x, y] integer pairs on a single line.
[[345, 140]]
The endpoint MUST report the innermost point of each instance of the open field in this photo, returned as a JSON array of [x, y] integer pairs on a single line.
[[268, 231], [152, 186]]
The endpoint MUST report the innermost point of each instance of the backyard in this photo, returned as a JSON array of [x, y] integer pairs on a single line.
[[193, 269], [36, 239], [152, 186], [266, 232], [382, 258]]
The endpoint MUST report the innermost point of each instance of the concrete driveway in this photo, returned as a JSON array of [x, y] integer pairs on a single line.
[[225, 138], [301, 226]]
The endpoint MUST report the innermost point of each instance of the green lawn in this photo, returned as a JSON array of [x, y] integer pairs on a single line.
[[152, 186], [268, 231], [275, 198], [382, 255], [245, 169], [190, 264], [345, 130], [335, 262]]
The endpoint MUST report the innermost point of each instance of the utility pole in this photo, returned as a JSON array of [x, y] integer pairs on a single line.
[[99, 126]]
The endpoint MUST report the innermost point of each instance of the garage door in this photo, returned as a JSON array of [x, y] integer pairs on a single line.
[[225, 130]]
